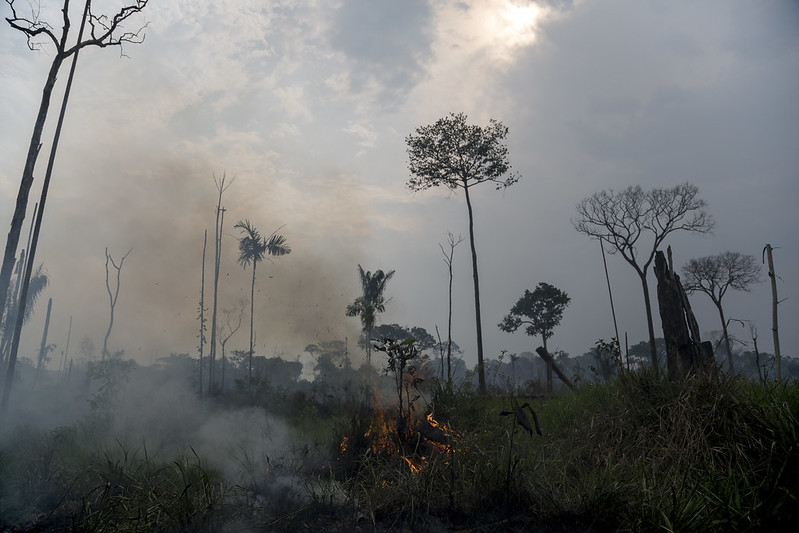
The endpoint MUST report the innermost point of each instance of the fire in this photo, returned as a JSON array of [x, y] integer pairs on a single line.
[[430, 441]]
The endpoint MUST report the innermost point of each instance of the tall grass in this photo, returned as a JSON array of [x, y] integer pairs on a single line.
[[641, 453]]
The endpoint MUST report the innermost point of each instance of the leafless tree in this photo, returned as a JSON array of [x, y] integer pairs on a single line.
[[104, 31], [221, 187], [768, 252], [113, 296], [636, 222], [459, 155], [448, 254], [227, 331], [714, 275]]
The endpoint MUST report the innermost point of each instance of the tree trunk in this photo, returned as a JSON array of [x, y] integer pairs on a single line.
[[685, 352], [774, 321], [27, 181], [545, 355], [43, 347], [726, 337], [481, 377], [650, 326], [549, 367], [252, 323], [202, 310]]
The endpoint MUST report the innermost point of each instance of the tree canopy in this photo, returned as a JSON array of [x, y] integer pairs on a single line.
[[456, 154], [636, 222], [541, 311]]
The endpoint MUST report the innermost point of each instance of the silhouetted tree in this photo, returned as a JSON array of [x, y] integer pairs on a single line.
[[221, 187], [252, 250], [455, 154], [714, 274], [112, 297], [448, 254], [623, 218], [104, 31], [370, 303], [541, 311]]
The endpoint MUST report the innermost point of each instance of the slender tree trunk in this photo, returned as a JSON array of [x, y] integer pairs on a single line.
[[220, 218], [202, 310], [549, 366], [726, 337], [43, 346], [774, 321], [112, 298], [481, 377], [649, 324], [252, 324], [22, 197], [449, 324], [27, 180], [610, 293], [66, 349]]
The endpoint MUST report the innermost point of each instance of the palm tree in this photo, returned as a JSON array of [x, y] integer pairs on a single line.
[[252, 249], [370, 304]]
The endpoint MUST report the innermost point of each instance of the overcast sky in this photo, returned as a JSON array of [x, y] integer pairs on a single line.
[[307, 104]]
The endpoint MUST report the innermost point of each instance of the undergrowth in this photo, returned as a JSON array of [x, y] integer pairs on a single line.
[[641, 453]]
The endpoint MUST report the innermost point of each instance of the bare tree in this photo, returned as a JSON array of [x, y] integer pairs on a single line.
[[104, 31], [221, 187], [448, 254], [714, 275], [112, 296], [455, 154], [228, 330], [625, 219], [201, 312], [768, 253]]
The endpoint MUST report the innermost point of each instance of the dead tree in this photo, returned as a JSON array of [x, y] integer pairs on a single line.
[[112, 297], [104, 31], [221, 187], [44, 348], [767, 252], [685, 351], [448, 255]]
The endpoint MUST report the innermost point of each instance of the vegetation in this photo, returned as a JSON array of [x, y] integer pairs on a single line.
[[459, 155], [626, 218], [370, 304], [638, 453], [714, 275], [252, 250]]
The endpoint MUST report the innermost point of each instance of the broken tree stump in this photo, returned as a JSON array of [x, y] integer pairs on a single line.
[[685, 351]]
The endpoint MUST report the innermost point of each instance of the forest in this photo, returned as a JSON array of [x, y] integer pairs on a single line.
[[404, 427]]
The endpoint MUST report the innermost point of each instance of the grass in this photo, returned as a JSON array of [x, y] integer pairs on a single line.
[[641, 453]]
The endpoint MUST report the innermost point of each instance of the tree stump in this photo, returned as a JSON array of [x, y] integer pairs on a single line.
[[685, 351]]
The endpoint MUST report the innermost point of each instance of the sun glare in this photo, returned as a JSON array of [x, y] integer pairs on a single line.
[[520, 23]]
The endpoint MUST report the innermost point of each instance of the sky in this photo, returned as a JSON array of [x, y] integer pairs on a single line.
[[305, 106]]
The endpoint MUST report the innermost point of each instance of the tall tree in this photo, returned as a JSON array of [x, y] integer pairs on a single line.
[[541, 311], [370, 303], [625, 218], [104, 31], [252, 250], [456, 154], [768, 251], [448, 255], [714, 275], [221, 187]]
